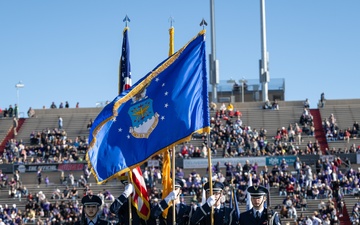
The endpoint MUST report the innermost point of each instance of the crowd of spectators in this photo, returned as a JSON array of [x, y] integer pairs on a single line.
[[46, 146], [324, 182], [334, 133], [231, 138]]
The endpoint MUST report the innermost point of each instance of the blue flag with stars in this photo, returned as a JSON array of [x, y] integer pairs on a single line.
[[161, 110]]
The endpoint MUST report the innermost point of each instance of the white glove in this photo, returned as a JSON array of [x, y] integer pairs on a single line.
[[129, 189], [211, 200], [171, 196], [222, 199], [215, 177]]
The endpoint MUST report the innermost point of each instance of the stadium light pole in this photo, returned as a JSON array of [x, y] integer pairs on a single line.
[[243, 82], [18, 86]]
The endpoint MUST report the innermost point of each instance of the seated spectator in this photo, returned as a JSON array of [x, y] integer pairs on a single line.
[[82, 181], [288, 202], [56, 194], [284, 212], [355, 216], [222, 108], [290, 188], [230, 107], [356, 191], [31, 112], [74, 194], [184, 152], [315, 218], [25, 191], [66, 193], [284, 134], [213, 106], [41, 196], [5, 112], [108, 195], [12, 187], [275, 105], [354, 132], [71, 179], [89, 125], [283, 165], [303, 203], [292, 212], [315, 192], [347, 136], [238, 114], [329, 136], [267, 105]]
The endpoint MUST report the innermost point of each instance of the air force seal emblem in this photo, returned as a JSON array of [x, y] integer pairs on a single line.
[[142, 115]]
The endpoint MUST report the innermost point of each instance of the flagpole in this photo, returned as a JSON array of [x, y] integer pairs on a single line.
[[171, 52], [173, 184], [129, 200], [122, 88], [210, 177]]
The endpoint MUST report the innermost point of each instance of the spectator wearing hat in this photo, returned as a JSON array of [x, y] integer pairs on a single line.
[[182, 212], [120, 206], [222, 214], [258, 214], [90, 214]]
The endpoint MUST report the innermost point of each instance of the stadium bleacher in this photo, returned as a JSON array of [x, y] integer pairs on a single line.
[[76, 119]]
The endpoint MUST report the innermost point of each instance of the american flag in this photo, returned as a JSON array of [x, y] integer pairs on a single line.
[[140, 198], [125, 68]]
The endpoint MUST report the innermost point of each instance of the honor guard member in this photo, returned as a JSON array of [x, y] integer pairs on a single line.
[[222, 215], [120, 206], [258, 214], [90, 213], [182, 211]]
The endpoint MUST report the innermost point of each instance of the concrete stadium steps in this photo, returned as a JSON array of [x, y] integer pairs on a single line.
[[74, 122], [343, 144], [341, 102], [271, 120], [350, 202], [345, 115], [6, 124]]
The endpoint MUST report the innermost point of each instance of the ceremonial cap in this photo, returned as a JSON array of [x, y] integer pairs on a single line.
[[179, 183], [257, 191], [91, 200], [217, 186]]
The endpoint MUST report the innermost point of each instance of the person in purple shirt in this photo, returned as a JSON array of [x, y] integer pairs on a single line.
[[179, 173]]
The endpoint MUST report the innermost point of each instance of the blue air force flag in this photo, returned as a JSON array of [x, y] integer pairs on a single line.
[[161, 110]]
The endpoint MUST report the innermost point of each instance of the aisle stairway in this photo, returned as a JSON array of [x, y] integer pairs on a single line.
[[319, 130], [350, 201], [10, 133]]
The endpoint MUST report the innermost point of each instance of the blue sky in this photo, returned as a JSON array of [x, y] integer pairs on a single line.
[[69, 50]]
